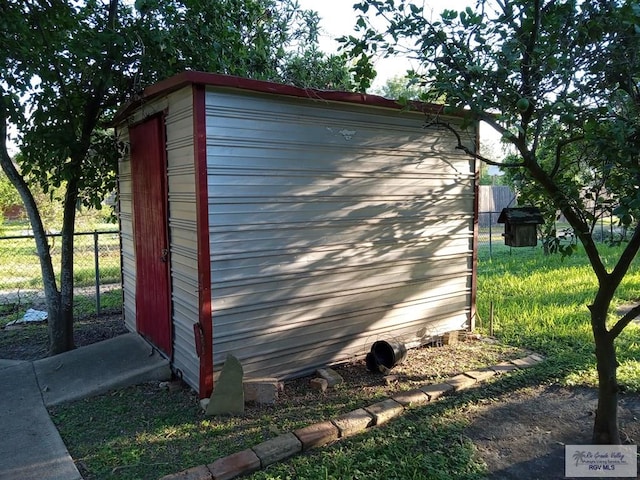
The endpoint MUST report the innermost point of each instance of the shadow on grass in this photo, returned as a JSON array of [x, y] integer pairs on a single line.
[[429, 442], [169, 427], [166, 432]]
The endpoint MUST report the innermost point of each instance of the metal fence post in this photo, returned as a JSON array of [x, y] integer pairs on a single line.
[[96, 255], [490, 234]]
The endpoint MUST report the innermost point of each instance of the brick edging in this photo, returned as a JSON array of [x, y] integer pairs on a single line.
[[319, 434]]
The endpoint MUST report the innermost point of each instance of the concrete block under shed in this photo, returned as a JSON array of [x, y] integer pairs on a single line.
[[319, 384], [450, 338], [261, 390], [332, 377]]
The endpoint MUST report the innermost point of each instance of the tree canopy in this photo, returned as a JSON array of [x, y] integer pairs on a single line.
[[558, 80], [68, 65]]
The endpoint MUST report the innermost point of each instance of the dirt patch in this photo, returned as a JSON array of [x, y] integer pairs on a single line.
[[31, 341], [522, 435]]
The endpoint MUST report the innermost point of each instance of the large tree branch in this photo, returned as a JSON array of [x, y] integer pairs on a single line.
[[469, 151], [526, 69], [626, 319], [580, 227], [493, 123], [99, 87], [627, 256], [17, 180], [561, 144]]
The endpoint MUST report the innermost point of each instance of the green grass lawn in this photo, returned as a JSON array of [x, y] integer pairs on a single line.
[[539, 304], [20, 267], [21, 278]]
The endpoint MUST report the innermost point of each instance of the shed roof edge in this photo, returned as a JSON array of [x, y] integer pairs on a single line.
[[191, 77]]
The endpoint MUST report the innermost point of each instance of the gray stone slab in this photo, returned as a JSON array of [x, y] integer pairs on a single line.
[[482, 374], [384, 411], [461, 382], [115, 363], [332, 377], [411, 398], [353, 422], [504, 367], [436, 390], [228, 393], [276, 449], [526, 362], [30, 445]]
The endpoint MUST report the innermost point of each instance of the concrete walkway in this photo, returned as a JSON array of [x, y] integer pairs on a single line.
[[30, 445]]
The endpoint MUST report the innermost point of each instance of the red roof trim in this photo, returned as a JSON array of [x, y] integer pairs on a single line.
[[218, 80]]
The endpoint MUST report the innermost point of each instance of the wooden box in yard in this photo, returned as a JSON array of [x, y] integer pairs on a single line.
[[521, 226]]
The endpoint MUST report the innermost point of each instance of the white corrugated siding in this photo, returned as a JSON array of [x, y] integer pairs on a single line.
[[182, 228], [331, 226], [126, 235], [182, 233]]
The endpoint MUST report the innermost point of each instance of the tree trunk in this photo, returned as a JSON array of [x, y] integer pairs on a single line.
[[605, 428], [61, 330], [51, 292]]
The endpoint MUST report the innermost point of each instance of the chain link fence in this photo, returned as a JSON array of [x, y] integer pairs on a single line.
[[97, 273]]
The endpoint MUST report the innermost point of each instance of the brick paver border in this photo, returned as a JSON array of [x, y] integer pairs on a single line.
[[357, 421]]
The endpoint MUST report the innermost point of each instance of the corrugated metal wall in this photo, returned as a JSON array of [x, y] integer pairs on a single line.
[[182, 233], [125, 198], [332, 226], [182, 227]]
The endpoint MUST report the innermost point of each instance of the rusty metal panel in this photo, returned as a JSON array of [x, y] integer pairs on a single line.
[[332, 226]]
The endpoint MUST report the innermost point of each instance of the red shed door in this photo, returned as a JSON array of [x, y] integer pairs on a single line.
[[149, 186]]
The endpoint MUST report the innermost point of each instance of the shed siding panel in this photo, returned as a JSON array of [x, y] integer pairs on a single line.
[[125, 208], [182, 233], [182, 227], [331, 226]]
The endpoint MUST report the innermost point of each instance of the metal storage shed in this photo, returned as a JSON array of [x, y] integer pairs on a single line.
[[290, 227]]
